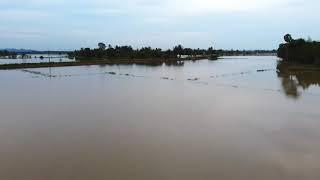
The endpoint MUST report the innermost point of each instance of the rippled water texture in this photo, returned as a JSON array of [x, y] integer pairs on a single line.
[[232, 119]]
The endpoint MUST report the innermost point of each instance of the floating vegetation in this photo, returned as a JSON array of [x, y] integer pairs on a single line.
[[167, 78], [231, 74], [194, 79], [241, 73], [38, 73], [264, 70]]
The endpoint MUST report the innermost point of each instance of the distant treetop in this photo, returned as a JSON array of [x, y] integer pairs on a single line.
[[288, 38], [102, 46]]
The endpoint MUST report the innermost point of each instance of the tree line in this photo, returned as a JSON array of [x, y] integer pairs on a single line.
[[110, 52], [4, 53], [299, 50]]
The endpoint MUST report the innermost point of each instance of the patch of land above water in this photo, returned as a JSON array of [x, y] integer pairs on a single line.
[[299, 50], [88, 62]]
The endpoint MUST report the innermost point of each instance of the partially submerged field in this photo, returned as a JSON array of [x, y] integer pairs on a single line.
[[95, 61]]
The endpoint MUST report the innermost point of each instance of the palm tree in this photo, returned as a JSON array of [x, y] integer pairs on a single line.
[[288, 38], [102, 46], [178, 50]]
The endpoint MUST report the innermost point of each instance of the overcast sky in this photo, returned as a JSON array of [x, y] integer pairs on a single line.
[[227, 24]]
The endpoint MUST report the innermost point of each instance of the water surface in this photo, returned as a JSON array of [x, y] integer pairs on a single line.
[[227, 119], [35, 58]]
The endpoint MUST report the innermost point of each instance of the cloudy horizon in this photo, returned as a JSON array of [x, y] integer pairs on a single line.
[[229, 24]]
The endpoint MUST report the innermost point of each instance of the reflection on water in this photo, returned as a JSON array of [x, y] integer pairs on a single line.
[[231, 121], [174, 63], [297, 78]]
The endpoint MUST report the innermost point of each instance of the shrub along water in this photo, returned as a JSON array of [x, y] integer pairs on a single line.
[[127, 52], [299, 50]]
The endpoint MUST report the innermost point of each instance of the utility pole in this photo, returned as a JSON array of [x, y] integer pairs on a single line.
[[49, 63]]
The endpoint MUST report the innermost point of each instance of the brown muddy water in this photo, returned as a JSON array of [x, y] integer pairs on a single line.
[[232, 119]]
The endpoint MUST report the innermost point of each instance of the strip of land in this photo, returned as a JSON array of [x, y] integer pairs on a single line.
[[89, 62]]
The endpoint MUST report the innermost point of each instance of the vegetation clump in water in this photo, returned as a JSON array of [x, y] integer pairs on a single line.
[[145, 53], [299, 50]]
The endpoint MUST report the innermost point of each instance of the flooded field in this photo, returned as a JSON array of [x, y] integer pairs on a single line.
[[35, 58], [235, 118]]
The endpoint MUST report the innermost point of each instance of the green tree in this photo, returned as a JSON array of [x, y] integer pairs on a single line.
[[178, 50]]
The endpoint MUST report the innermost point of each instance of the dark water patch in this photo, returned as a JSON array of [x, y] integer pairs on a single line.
[[165, 78], [297, 78], [112, 73]]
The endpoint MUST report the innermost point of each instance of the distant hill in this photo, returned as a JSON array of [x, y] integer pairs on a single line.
[[21, 51], [30, 51]]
